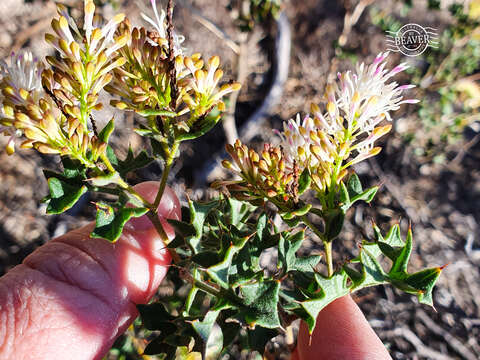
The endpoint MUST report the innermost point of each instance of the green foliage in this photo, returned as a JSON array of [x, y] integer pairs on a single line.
[[65, 188], [221, 245], [62, 195], [110, 222], [132, 162]]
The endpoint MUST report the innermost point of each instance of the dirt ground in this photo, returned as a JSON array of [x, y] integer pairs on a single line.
[[439, 200]]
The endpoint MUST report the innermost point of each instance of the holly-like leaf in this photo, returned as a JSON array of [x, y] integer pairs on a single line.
[[353, 192], [400, 261], [423, 282], [297, 213], [192, 293], [333, 223], [198, 214], [106, 179], [354, 185], [366, 196], [331, 288], [109, 223], [65, 188], [238, 211], [344, 195], [373, 272], [211, 335], [132, 162], [393, 247], [221, 271], [261, 300], [287, 249], [63, 195], [111, 156], [307, 264], [201, 126]]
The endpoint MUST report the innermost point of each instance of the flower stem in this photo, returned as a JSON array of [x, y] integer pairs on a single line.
[[326, 243], [153, 217], [166, 171], [328, 257], [123, 184]]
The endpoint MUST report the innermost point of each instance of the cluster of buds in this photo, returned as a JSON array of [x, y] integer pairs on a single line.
[[51, 108], [262, 176], [143, 79], [203, 92], [327, 144], [154, 82], [85, 62], [29, 112]]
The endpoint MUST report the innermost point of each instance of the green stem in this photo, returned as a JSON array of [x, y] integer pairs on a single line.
[[207, 288], [328, 257], [218, 293], [107, 163], [124, 185], [326, 244], [153, 217], [166, 171]]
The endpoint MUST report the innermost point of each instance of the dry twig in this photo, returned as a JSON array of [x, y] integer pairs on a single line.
[[420, 347], [452, 341], [351, 18]]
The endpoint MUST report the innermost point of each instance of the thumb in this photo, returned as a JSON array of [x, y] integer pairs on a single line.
[[342, 332], [74, 295]]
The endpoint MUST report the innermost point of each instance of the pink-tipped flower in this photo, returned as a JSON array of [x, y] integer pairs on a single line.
[[160, 25], [348, 128]]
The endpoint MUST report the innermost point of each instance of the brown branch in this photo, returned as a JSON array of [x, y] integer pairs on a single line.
[[171, 57], [351, 18], [55, 100], [94, 125]]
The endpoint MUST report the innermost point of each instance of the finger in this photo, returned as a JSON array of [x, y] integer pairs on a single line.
[[73, 296], [342, 332]]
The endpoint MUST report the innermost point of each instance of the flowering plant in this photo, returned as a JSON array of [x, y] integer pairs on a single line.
[[306, 178]]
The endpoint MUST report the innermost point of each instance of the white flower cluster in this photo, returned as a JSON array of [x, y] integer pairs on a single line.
[[355, 105]]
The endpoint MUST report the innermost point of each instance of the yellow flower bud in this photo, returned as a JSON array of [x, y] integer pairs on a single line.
[[10, 148], [227, 164], [214, 62], [221, 106], [89, 7], [331, 107]]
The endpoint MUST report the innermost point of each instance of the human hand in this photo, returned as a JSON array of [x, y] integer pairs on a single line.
[[72, 297], [342, 333], [75, 295]]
